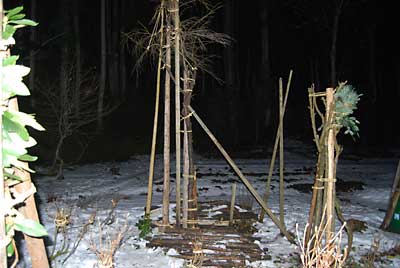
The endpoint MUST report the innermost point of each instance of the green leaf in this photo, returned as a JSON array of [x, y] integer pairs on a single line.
[[27, 158], [14, 126], [8, 31], [13, 11], [16, 151], [12, 60], [26, 120], [29, 227], [12, 176], [16, 17], [25, 22], [10, 250]]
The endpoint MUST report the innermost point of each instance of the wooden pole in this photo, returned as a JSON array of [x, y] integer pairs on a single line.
[[394, 198], [186, 172], [3, 254], [177, 107], [330, 200], [281, 164], [167, 85], [232, 209], [272, 163], [35, 245], [155, 121], [246, 182]]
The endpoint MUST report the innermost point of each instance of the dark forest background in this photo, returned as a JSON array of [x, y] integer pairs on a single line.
[[271, 37]]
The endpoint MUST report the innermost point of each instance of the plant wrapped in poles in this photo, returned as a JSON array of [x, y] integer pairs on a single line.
[[340, 103], [191, 38], [16, 189]]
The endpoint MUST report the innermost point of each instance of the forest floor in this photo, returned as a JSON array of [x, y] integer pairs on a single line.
[[101, 199]]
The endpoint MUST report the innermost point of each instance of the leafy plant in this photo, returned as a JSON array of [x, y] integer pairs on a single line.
[[15, 136], [144, 226], [346, 100]]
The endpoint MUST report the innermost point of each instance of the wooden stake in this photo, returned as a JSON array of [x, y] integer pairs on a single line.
[[177, 100], [166, 185], [35, 245], [175, 8], [185, 177], [330, 205], [281, 164], [243, 178], [232, 209], [155, 121], [272, 163], [394, 198]]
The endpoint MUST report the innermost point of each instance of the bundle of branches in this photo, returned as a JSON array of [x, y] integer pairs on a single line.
[[196, 37], [338, 115]]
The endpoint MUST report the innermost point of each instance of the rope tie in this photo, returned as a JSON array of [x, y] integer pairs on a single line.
[[187, 116]]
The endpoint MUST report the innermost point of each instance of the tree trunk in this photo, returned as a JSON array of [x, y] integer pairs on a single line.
[[167, 86], [335, 29], [78, 64], [114, 50], [32, 58], [103, 72], [265, 90], [230, 72], [122, 63], [372, 62]]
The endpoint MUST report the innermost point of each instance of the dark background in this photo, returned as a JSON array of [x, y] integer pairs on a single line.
[[242, 114]]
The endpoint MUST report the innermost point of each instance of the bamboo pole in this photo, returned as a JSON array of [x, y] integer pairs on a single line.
[[186, 162], [272, 163], [35, 245], [3, 254], [177, 104], [232, 209], [394, 198], [155, 121], [330, 205], [281, 164], [185, 194], [246, 182], [167, 85]]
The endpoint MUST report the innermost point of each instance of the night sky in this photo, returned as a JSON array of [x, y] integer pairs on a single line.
[[299, 38]]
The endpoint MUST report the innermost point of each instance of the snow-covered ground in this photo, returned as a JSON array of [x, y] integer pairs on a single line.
[[91, 188]]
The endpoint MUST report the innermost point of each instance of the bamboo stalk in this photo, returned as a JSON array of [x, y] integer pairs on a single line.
[[272, 163], [177, 110], [330, 205], [177, 105], [232, 209], [186, 173], [281, 164], [167, 85], [155, 121], [3, 254], [246, 182]]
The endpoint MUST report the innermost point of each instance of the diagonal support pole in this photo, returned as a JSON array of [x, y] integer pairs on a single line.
[[245, 181]]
